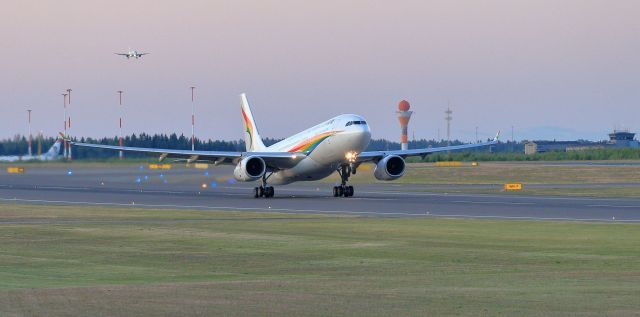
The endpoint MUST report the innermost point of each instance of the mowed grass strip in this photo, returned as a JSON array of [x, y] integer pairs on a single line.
[[159, 262]]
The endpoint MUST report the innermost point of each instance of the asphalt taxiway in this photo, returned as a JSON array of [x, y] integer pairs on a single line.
[[213, 189]]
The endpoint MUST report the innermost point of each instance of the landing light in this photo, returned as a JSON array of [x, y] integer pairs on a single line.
[[351, 156]]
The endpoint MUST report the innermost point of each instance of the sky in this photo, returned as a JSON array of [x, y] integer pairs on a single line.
[[549, 69]]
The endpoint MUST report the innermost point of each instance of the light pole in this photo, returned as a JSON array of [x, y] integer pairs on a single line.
[[30, 137], [448, 118], [64, 96], [477, 134], [121, 154], [69, 120], [40, 134], [193, 120], [513, 141]]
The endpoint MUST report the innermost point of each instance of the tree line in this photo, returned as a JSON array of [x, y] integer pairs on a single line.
[[503, 151], [18, 145]]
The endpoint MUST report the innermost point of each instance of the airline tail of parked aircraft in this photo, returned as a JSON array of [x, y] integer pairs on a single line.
[[252, 139], [54, 151]]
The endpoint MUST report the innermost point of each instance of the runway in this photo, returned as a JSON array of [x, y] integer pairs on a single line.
[[182, 188]]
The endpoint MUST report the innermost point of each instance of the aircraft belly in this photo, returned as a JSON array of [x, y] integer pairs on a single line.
[[307, 170]]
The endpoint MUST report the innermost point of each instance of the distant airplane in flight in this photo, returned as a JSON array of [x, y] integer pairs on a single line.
[[132, 53], [336, 145], [52, 154]]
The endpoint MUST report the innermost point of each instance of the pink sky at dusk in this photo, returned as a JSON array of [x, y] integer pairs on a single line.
[[553, 69]]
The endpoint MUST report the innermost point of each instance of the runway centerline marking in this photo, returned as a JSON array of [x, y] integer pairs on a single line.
[[491, 202], [614, 206]]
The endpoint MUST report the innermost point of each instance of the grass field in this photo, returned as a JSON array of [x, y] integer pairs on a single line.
[[63, 261]]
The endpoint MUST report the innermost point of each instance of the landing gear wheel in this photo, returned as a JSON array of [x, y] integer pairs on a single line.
[[335, 191], [340, 191], [348, 191], [269, 192], [266, 192]]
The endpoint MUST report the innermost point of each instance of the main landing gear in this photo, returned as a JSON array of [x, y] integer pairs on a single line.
[[264, 190], [343, 190]]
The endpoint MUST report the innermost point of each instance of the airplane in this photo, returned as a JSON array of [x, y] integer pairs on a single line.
[[52, 154], [132, 53], [336, 145]]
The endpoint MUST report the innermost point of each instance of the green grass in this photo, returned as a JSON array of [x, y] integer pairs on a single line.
[[107, 261]]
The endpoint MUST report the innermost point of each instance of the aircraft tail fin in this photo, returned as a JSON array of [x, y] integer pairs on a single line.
[[54, 151], [252, 139]]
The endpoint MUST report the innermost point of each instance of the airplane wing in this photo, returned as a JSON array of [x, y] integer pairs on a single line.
[[140, 54], [378, 155], [122, 54], [274, 160]]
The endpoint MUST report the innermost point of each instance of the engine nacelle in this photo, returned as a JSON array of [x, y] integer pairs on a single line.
[[250, 169], [389, 168]]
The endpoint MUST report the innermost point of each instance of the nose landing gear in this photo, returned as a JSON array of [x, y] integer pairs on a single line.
[[343, 190]]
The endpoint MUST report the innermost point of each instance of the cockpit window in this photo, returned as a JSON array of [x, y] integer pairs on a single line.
[[355, 122]]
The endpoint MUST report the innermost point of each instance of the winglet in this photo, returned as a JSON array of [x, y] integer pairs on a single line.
[[497, 137]]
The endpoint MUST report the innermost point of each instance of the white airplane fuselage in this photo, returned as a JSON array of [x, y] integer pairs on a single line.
[[326, 146], [51, 155]]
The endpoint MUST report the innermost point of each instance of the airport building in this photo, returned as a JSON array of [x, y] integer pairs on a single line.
[[617, 139]]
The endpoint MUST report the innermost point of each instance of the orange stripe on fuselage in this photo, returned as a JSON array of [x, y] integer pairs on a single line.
[[312, 142]]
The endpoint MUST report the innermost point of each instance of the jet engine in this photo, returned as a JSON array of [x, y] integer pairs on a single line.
[[250, 169], [389, 168]]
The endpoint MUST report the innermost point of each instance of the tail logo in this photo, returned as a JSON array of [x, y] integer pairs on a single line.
[[248, 128]]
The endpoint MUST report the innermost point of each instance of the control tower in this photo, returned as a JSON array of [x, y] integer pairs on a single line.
[[403, 116], [623, 138]]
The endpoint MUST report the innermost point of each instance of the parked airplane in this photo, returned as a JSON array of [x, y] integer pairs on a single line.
[[131, 54], [337, 144], [52, 154]]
